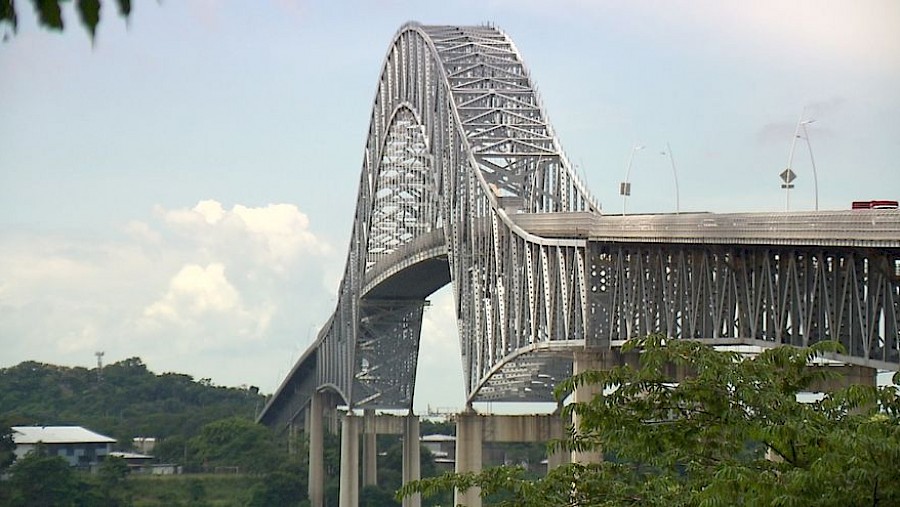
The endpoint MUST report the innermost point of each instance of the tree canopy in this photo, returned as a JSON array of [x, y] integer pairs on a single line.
[[124, 400], [734, 432], [49, 13]]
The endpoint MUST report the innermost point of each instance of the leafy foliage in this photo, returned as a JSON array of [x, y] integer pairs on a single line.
[[7, 447], [124, 401], [286, 486], [236, 442], [732, 433], [49, 13], [37, 479]]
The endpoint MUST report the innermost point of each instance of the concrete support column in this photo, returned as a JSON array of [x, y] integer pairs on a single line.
[[560, 457], [468, 455], [412, 457], [584, 361], [846, 375], [370, 449], [349, 482], [316, 484]]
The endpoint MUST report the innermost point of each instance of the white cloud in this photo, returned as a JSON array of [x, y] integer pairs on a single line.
[[194, 292], [856, 33], [184, 290], [277, 235], [440, 375]]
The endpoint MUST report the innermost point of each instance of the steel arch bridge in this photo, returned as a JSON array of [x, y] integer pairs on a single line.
[[463, 181]]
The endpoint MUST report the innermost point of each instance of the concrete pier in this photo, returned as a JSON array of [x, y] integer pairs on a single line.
[[473, 430], [469, 433], [349, 482], [412, 457], [315, 425], [585, 361], [370, 449]]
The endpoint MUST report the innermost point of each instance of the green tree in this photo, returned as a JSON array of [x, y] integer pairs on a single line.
[[236, 442], [49, 13], [7, 447], [285, 486], [111, 479], [124, 400], [732, 433], [36, 479]]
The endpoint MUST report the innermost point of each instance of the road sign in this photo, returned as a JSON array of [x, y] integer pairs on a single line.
[[788, 176]]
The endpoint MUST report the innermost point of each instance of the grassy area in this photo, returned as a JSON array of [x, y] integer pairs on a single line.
[[191, 490]]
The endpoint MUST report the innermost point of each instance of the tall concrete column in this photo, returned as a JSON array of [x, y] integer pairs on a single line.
[[560, 457], [411, 457], [585, 361], [316, 486], [844, 376], [370, 449], [468, 455], [349, 482]]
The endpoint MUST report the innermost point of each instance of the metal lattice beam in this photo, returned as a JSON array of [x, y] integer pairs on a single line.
[[464, 181]]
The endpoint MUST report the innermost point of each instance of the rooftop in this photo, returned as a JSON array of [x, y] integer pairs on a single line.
[[57, 435]]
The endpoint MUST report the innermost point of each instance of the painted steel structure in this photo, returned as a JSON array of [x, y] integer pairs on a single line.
[[464, 181]]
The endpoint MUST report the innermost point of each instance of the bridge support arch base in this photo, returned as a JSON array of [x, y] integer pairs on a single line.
[[370, 449], [846, 375], [349, 482], [473, 430], [315, 429], [412, 457], [586, 360], [469, 431]]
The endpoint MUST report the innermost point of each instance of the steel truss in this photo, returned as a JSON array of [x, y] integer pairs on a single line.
[[458, 139], [754, 294], [461, 163]]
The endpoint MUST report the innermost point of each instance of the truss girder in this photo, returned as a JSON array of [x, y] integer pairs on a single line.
[[458, 139], [462, 169], [750, 294]]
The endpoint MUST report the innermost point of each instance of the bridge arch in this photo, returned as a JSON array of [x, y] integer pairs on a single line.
[[463, 181]]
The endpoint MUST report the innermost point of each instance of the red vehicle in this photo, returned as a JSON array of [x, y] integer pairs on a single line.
[[879, 204]]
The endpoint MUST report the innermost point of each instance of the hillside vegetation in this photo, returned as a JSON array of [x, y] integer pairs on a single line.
[[124, 401]]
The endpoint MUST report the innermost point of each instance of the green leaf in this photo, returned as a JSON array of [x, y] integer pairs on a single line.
[[125, 8], [8, 13], [89, 10], [49, 13]]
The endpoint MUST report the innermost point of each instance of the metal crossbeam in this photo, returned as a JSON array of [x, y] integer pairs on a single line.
[[464, 181]]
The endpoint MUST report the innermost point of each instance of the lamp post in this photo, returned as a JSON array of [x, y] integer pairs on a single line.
[[812, 160], [675, 175], [788, 174], [625, 186]]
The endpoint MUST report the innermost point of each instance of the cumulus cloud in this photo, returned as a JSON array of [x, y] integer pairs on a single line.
[[205, 310], [196, 291], [186, 289], [277, 234], [440, 375]]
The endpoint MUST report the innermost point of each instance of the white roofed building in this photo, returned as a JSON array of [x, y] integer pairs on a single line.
[[79, 446]]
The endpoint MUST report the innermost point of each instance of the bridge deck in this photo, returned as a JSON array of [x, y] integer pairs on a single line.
[[857, 228]]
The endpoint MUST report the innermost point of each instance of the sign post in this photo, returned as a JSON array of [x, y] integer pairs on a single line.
[[787, 176]]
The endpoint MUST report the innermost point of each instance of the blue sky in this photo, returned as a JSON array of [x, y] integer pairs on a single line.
[[182, 189]]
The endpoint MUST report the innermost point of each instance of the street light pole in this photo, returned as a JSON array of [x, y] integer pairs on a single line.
[[787, 186], [675, 174], [811, 161], [625, 186]]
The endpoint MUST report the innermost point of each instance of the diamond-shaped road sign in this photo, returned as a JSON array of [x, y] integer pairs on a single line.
[[787, 176]]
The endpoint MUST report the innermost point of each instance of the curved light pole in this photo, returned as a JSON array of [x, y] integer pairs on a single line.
[[675, 175], [812, 160], [625, 186], [787, 176]]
